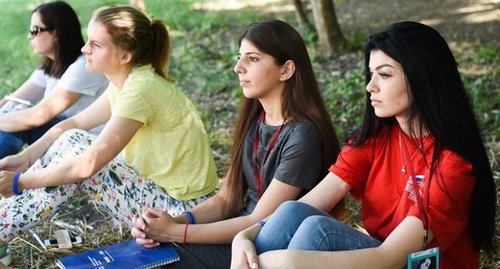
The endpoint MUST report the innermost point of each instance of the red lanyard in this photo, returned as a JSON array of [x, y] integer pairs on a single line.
[[257, 175], [422, 202]]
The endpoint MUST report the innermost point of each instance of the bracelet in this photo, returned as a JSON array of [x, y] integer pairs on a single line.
[[185, 234], [190, 216], [15, 184], [261, 223]]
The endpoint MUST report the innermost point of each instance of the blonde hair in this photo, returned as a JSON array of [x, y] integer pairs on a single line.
[[132, 31]]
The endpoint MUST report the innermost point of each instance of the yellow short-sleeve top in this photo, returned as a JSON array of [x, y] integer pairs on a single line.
[[172, 147]]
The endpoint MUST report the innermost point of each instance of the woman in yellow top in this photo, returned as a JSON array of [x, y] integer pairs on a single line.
[[153, 150]]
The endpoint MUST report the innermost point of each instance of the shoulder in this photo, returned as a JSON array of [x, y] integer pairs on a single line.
[[144, 72], [39, 77], [376, 146], [143, 83], [301, 135], [144, 77], [77, 71], [78, 63], [301, 128], [451, 163]]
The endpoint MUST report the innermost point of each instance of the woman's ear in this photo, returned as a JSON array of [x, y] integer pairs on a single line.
[[125, 57], [288, 70]]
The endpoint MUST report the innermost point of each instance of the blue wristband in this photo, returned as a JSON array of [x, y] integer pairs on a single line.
[[15, 184], [190, 216], [261, 223]]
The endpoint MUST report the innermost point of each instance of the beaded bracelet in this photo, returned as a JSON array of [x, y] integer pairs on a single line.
[[15, 184], [190, 216]]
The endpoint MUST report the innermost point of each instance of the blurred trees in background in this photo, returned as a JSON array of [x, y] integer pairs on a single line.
[[326, 24]]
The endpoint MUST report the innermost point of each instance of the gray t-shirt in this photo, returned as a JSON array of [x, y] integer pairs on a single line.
[[295, 159], [75, 79]]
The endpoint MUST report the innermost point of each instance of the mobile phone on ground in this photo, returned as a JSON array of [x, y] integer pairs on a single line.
[[53, 242]]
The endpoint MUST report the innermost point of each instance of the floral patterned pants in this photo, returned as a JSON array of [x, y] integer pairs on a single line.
[[116, 187]]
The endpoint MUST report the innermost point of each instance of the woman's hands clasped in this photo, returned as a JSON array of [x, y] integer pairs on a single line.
[[152, 227]]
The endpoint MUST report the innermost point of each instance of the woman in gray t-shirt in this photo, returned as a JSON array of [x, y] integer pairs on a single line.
[[284, 142]]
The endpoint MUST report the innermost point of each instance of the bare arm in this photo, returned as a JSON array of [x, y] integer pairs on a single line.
[[44, 111], [224, 231], [27, 91], [327, 193], [109, 143], [96, 114], [163, 228], [324, 196], [405, 239], [211, 210]]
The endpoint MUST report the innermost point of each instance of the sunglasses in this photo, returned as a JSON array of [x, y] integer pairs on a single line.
[[35, 30]]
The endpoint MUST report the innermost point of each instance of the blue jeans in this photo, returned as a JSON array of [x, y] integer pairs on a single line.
[[296, 225], [12, 143]]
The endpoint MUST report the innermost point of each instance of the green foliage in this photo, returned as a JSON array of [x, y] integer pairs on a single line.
[[344, 98], [486, 102], [480, 70], [15, 51], [355, 42], [488, 54]]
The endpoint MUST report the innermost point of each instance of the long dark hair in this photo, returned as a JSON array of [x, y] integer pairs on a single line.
[[131, 30], [62, 20], [438, 102], [302, 101]]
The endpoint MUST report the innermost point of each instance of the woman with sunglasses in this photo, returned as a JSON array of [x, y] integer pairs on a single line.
[[59, 88]]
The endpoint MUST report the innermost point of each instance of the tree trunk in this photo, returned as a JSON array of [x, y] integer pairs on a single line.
[[327, 25], [301, 15], [300, 11]]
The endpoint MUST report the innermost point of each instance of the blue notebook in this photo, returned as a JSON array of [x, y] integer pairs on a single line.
[[125, 255]]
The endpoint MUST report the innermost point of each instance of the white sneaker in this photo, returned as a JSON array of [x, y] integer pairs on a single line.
[[7, 258]]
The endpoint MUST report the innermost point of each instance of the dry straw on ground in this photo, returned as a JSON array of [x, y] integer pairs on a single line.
[[81, 217]]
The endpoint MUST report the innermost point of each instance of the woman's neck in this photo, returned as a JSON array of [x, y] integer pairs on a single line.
[[118, 78], [418, 132], [274, 116]]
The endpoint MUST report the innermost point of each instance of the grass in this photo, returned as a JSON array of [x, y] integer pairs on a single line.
[[204, 52]]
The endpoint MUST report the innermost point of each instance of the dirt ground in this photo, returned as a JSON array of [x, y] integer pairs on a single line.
[[456, 20]]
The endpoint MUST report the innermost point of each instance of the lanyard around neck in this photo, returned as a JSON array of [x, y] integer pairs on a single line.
[[422, 201], [257, 175]]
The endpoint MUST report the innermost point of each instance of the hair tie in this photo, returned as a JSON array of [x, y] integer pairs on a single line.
[[15, 184], [190, 216]]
